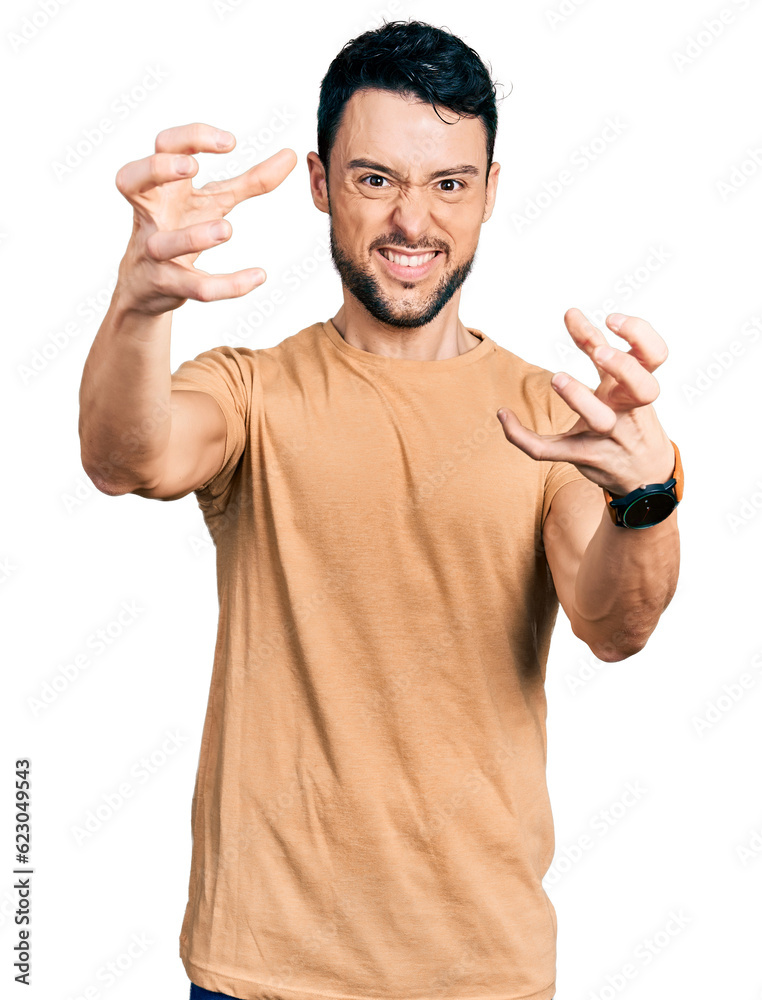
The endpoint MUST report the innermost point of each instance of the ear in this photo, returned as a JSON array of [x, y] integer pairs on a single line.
[[318, 182], [491, 194]]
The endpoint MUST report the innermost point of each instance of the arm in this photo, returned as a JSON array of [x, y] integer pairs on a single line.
[[136, 434], [613, 583]]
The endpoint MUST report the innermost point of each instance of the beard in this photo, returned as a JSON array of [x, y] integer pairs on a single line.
[[362, 283]]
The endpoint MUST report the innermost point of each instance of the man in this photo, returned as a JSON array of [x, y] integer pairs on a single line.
[[398, 505]]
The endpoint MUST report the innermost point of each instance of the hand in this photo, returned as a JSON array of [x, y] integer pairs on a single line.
[[618, 442], [174, 221]]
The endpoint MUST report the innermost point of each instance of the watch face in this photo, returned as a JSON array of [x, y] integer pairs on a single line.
[[648, 510]]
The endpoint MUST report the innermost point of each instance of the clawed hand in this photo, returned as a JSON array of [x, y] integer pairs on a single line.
[[618, 442]]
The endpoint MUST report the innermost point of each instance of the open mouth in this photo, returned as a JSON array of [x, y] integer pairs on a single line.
[[409, 266]]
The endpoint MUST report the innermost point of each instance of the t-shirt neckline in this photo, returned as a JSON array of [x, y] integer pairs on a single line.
[[409, 364]]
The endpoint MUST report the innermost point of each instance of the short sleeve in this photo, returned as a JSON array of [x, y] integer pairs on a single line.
[[562, 418], [225, 374]]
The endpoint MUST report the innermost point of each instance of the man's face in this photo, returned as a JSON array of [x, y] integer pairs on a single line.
[[392, 203]]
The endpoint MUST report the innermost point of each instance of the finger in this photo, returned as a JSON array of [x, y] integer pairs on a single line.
[[195, 138], [629, 373], [599, 417], [191, 283], [541, 447], [259, 179], [645, 343], [142, 175], [585, 335], [192, 239]]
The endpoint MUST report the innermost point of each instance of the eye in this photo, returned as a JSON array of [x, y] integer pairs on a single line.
[[451, 180], [378, 177]]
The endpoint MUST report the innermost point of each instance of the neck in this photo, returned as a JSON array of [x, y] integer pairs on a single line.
[[444, 337]]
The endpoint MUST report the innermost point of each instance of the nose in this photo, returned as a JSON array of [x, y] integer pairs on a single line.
[[411, 216]]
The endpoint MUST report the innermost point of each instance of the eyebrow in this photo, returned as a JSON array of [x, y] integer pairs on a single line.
[[464, 168]]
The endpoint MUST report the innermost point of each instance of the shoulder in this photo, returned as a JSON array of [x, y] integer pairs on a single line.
[[531, 384], [262, 361]]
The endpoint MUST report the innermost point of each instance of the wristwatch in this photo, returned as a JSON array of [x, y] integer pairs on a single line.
[[647, 505]]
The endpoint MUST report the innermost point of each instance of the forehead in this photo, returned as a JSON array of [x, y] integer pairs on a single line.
[[404, 132]]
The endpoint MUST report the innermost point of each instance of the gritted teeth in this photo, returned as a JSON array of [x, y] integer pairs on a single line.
[[406, 260]]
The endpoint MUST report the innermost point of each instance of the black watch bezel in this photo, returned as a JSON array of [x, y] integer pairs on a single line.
[[632, 509]]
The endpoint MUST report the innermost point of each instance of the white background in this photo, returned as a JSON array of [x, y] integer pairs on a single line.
[[657, 203]]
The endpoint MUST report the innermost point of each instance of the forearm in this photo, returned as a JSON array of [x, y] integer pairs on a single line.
[[124, 398], [626, 579]]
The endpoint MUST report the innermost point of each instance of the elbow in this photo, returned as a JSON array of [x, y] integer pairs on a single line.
[[611, 654], [112, 478], [111, 487], [614, 646], [611, 641], [618, 647]]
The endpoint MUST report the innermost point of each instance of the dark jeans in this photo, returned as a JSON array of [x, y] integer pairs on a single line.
[[199, 993]]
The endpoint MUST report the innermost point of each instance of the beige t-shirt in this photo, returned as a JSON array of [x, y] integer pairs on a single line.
[[371, 815]]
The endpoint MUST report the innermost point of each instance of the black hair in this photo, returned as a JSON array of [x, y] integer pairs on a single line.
[[409, 58]]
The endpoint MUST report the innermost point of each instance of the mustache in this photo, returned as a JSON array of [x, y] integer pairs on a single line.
[[422, 246]]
